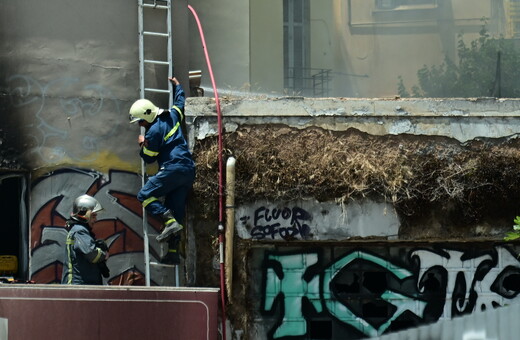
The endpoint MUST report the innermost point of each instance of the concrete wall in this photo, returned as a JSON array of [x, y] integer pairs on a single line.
[[385, 44], [266, 47], [317, 221], [323, 34], [460, 118], [69, 72], [346, 269], [226, 30], [357, 291]]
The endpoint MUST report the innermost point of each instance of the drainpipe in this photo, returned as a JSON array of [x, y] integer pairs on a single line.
[[220, 176], [230, 224]]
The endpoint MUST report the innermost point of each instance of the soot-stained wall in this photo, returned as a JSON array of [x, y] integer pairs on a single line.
[[69, 72]]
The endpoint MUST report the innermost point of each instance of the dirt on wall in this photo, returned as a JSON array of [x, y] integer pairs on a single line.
[[9, 157], [442, 189]]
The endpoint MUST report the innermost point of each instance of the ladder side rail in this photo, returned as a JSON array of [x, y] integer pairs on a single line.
[[143, 89], [146, 250], [170, 53], [170, 86]]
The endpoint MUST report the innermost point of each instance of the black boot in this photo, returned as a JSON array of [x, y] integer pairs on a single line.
[[173, 256], [171, 226]]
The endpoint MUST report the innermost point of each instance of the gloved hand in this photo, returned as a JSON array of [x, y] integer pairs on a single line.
[[104, 269], [101, 244]]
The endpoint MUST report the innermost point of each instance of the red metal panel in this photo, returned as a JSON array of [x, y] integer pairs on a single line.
[[109, 312]]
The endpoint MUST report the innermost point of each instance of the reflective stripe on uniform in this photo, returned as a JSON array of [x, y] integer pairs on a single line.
[[178, 110], [149, 152], [70, 243], [98, 256], [170, 221], [149, 200], [172, 131]]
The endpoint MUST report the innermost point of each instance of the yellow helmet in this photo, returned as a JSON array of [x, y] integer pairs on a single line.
[[143, 109]]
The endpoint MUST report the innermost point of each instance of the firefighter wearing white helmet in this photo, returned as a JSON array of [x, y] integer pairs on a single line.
[[143, 109], [85, 256], [165, 144]]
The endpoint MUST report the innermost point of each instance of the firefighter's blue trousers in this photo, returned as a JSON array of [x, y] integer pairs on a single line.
[[173, 183]]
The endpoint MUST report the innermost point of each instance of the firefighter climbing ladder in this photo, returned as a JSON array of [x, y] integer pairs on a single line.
[[153, 9]]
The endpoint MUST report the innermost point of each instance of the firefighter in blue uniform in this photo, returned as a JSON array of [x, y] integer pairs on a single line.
[[85, 256], [164, 143]]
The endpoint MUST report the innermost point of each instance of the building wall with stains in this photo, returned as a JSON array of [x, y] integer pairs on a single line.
[[67, 85], [69, 72], [312, 269], [336, 269], [359, 291], [316, 272], [119, 224]]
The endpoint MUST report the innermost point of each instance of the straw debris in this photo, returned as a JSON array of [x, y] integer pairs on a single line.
[[479, 179]]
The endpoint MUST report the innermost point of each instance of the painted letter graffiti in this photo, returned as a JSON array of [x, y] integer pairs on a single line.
[[285, 223], [120, 223], [371, 295]]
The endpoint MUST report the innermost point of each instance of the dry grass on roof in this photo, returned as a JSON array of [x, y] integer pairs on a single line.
[[413, 172]]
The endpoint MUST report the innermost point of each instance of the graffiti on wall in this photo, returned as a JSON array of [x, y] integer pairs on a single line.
[[278, 223], [119, 224], [53, 118], [364, 294], [306, 219]]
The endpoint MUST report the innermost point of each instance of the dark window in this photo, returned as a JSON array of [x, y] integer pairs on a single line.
[[14, 226]]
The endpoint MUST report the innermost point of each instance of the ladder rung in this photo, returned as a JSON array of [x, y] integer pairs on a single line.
[[162, 264], [156, 90], [157, 34], [149, 61], [155, 6]]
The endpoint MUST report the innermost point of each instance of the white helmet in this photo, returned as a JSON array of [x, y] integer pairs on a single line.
[[143, 109], [84, 206]]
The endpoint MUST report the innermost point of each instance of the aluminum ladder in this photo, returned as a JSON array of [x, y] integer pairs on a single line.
[[162, 9]]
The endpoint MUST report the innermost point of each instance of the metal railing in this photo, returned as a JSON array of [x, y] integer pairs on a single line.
[[307, 82]]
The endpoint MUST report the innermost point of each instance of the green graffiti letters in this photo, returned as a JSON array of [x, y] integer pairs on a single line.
[[291, 285]]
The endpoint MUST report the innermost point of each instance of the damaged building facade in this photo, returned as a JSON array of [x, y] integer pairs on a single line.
[[357, 217], [352, 217]]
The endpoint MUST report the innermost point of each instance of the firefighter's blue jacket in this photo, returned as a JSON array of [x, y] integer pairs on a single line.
[[80, 266], [165, 142]]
